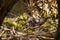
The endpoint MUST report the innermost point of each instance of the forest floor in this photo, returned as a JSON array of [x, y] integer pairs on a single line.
[[12, 34]]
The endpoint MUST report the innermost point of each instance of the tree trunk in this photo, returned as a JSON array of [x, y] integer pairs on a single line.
[[57, 36], [5, 7]]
